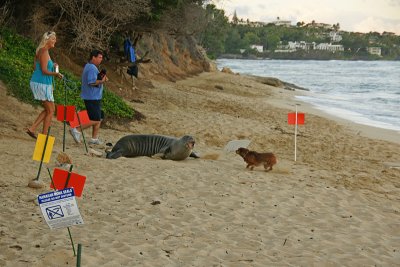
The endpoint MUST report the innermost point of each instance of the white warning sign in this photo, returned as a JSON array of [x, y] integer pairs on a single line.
[[59, 208]]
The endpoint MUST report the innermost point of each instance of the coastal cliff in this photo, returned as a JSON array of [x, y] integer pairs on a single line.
[[172, 57]]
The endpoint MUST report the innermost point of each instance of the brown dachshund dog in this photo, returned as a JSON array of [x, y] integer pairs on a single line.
[[254, 159]]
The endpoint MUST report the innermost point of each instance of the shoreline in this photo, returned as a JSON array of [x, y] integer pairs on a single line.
[[340, 104], [240, 57], [357, 128]]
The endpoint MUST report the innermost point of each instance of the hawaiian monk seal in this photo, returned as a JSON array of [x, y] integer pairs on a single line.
[[166, 147]]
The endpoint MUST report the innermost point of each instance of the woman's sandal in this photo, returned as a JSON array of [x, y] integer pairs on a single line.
[[31, 134]]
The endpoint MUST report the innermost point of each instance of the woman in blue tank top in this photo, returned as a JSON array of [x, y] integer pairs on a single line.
[[42, 83]]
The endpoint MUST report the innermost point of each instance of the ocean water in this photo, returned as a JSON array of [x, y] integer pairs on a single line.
[[365, 92]]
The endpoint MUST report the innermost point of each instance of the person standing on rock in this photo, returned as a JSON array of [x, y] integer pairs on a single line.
[[42, 82], [92, 94]]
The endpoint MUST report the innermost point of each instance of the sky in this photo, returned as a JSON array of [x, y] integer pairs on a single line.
[[352, 15]]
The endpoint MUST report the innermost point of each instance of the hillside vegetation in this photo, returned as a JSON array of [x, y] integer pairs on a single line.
[[16, 66], [271, 36], [170, 44]]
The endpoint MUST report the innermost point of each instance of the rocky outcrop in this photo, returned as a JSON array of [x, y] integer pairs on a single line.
[[269, 81], [278, 83], [227, 70]]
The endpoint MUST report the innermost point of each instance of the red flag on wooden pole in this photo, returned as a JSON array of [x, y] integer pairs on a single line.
[[295, 118], [292, 118], [70, 113], [83, 118]]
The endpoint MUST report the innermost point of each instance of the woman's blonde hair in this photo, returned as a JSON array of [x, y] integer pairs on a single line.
[[45, 38]]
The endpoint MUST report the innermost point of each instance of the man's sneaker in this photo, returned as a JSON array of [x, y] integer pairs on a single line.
[[95, 142], [76, 135]]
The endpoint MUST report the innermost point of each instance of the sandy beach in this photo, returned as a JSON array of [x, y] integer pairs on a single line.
[[336, 205]]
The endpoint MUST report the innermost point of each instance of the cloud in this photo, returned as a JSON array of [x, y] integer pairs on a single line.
[[395, 3], [378, 25]]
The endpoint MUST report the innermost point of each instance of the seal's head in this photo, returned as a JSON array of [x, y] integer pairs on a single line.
[[180, 149], [189, 141]]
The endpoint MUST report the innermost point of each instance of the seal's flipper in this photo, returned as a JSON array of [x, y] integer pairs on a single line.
[[194, 155], [158, 156], [163, 152], [114, 155]]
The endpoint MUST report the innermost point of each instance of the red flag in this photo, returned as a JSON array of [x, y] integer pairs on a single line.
[[292, 118], [75, 180], [70, 113], [83, 118]]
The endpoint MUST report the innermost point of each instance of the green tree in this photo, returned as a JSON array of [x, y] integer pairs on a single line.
[[235, 19], [336, 26], [233, 41], [272, 41], [354, 41], [216, 31], [249, 38]]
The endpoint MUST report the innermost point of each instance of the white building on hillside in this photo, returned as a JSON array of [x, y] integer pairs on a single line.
[[281, 48], [329, 47], [335, 37], [373, 50], [279, 22], [256, 24], [259, 48], [301, 45], [319, 25]]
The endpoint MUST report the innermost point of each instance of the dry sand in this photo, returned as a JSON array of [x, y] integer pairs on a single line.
[[337, 205]]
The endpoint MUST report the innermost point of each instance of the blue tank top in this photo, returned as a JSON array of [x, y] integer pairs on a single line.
[[38, 75]]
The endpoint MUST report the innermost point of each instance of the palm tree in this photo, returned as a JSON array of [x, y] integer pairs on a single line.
[[235, 19]]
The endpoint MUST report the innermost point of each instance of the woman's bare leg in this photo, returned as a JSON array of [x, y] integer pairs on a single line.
[[38, 120], [49, 112]]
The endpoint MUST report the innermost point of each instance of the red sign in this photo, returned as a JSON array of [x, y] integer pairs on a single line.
[[75, 180], [292, 118], [70, 110], [83, 118]]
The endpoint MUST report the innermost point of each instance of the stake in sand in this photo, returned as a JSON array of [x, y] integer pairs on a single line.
[[81, 118], [64, 114], [43, 149], [295, 119]]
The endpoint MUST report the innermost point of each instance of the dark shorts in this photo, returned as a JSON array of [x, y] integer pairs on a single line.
[[94, 111]]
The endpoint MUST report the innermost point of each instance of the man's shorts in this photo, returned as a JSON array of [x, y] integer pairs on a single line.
[[94, 111]]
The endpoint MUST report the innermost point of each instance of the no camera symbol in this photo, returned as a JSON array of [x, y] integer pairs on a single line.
[[54, 212]]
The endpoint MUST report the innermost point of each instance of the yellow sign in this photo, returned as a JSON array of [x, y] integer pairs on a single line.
[[41, 140]]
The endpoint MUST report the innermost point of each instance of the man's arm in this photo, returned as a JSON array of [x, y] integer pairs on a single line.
[[98, 82]]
